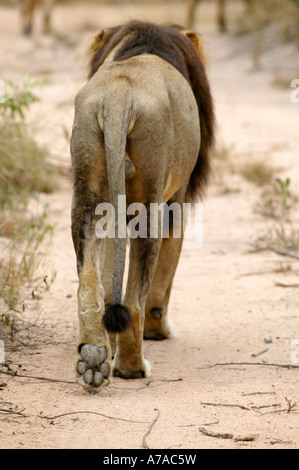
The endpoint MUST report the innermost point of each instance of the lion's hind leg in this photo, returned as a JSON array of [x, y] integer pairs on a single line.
[[129, 361], [93, 358], [157, 325]]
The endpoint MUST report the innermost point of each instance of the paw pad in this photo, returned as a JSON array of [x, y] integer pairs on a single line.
[[93, 367]]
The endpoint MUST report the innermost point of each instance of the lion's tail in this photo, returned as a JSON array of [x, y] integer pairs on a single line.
[[115, 121]]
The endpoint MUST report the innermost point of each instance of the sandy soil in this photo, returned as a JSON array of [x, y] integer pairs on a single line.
[[215, 374]]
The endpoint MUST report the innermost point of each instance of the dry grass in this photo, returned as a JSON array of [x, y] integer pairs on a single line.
[[24, 172], [267, 23], [279, 238], [283, 268], [23, 166], [283, 80], [282, 13], [24, 169], [258, 172], [224, 168], [19, 262]]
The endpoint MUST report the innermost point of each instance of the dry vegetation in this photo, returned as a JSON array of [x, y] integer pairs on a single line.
[[24, 172], [239, 304], [276, 200], [282, 13]]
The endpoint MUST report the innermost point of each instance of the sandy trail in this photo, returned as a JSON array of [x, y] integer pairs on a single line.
[[225, 300]]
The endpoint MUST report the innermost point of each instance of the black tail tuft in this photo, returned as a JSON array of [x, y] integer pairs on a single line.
[[116, 318]]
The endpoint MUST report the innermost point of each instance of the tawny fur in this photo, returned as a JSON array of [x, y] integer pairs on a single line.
[[147, 102]]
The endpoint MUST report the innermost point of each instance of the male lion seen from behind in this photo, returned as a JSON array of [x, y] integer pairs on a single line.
[[143, 130]]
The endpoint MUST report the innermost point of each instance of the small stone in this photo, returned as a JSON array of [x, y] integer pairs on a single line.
[[268, 339]]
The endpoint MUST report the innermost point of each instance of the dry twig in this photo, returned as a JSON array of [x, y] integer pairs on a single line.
[[6, 412], [283, 284], [90, 412], [15, 373], [226, 435], [267, 364], [216, 434], [144, 444], [260, 352], [290, 404], [226, 404], [13, 412]]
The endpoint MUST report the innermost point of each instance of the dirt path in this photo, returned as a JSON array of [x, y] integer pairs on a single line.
[[225, 300]]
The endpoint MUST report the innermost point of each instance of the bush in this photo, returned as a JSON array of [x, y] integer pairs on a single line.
[[23, 166], [24, 171]]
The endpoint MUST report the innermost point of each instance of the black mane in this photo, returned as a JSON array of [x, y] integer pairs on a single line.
[[169, 43]]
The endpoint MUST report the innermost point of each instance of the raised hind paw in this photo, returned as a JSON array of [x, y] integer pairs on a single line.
[[157, 326], [128, 371], [92, 370]]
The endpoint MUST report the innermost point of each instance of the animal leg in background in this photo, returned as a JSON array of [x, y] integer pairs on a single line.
[[27, 12], [191, 9], [47, 10]]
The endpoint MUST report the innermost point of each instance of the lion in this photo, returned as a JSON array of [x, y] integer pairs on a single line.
[[221, 15], [143, 129], [27, 13]]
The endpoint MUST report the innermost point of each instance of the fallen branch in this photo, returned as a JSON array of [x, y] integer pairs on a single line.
[[6, 412], [226, 435], [156, 384], [14, 373], [257, 393], [260, 352], [144, 444], [267, 364], [252, 408], [227, 404], [260, 407], [280, 441], [89, 412], [289, 254], [52, 418], [152, 383], [10, 371], [250, 437], [216, 434], [282, 284]]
